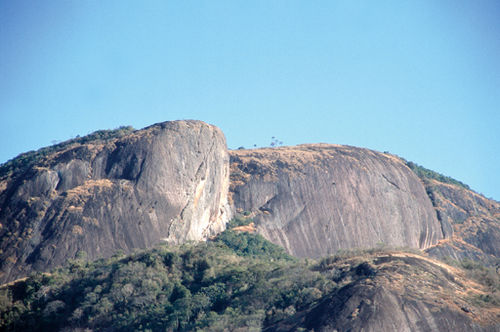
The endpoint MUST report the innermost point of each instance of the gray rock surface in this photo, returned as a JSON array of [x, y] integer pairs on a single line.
[[316, 199], [167, 182], [474, 222]]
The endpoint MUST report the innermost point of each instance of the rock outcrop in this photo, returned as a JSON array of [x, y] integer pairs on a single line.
[[167, 182], [176, 181], [170, 183], [316, 199], [398, 292], [475, 222]]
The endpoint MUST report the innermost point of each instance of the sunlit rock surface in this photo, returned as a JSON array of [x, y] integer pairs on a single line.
[[167, 182], [316, 199]]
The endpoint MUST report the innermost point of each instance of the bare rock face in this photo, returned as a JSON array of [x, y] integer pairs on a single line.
[[316, 199], [167, 182], [475, 222]]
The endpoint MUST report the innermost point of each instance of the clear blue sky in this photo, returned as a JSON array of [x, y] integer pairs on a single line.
[[420, 79]]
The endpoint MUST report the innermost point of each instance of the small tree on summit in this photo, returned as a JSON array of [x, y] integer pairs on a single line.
[[275, 142]]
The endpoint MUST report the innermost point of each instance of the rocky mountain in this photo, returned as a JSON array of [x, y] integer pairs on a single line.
[[168, 182], [316, 199], [126, 189], [113, 192]]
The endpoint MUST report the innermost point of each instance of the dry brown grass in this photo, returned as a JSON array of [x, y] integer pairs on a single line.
[[89, 185], [250, 228], [77, 230]]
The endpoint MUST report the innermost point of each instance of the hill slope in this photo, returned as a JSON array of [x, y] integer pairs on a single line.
[[174, 182], [241, 281], [316, 199], [125, 189], [475, 223]]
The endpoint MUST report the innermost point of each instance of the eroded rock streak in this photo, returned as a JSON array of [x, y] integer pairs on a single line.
[[316, 199]]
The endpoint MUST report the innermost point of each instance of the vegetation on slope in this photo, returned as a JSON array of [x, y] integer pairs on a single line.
[[485, 275], [425, 173], [22, 162], [236, 280]]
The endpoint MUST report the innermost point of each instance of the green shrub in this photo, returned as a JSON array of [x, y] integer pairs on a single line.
[[26, 160], [251, 245], [425, 173], [235, 281]]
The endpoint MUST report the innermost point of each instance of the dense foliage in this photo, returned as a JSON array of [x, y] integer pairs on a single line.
[[25, 160], [425, 173], [236, 280], [250, 244]]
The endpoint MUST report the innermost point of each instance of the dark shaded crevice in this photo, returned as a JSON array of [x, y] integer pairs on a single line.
[[446, 227], [391, 182], [141, 169], [184, 210], [265, 207]]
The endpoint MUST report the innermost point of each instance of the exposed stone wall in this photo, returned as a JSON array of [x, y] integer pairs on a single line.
[[167, 182], [316, 199]]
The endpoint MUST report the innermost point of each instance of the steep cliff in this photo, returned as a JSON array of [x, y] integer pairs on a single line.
[[316, 199], [175, 181], [167, 182], [474, 220]]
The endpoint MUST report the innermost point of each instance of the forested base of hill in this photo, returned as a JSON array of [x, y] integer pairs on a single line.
[[235, 280]]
